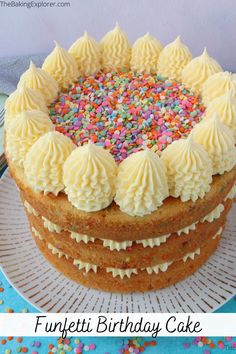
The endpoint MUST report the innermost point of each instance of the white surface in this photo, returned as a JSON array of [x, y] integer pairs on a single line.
[[43, 286], [201, 23]]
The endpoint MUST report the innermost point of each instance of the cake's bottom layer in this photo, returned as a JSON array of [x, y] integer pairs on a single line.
[[142, 281]]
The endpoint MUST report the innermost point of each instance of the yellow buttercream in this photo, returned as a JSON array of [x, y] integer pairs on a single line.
[[51, 226], [198, 70], [189, 169], [225, 106], [115, 50], [23, 131], [117, 272], [141, 183], [218, 141], [57, 252], [153, 242], [22, 99], [231, 193], [81, 237], [44, 162], [39, 79], [30, 209], [86, 53], [217, 85], [145, 54], [118, 246], [86, 266], [61, 66], [214, 214], [191, 255], [187, 229], [173, 58], [89, 177]]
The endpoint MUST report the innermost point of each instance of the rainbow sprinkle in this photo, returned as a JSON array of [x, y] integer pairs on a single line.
[[126, 112]]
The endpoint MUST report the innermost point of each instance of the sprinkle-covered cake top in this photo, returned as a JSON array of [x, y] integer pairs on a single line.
[[125, 112], [122, 117]]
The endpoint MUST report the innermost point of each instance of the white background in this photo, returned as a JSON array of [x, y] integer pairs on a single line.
[[210, 23]]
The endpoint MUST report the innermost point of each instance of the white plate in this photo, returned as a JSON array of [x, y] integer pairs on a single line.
[[49, 291]]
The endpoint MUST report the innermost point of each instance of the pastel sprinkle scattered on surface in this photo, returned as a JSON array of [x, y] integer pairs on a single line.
[[126, 112]]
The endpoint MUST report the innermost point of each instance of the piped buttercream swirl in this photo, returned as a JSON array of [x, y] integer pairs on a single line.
[[145, 54], [61, 66], [22, 99], [225, 106], [189, 169], [23, 131], [44, 162], [217, 85], [198, 70], [115, 50], [141, 183], [39, 79], [173, 58], [86, 53], [218, 140], [89, 177]]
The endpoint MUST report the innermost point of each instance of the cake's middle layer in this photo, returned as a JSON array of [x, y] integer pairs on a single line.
[[94, 251]]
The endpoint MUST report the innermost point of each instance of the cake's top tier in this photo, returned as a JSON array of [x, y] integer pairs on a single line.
[[125, 100], [126, 112]]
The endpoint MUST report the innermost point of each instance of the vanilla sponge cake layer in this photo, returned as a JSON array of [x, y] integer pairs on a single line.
[[140, 282], [111, 223], [175, 247]]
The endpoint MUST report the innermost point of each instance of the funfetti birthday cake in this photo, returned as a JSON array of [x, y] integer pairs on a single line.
[[125, 159]]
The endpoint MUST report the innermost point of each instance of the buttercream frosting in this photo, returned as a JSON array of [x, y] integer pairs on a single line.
[[39, 79], [86, 266], [89, 177], [44, 162], [218, 233], [115, 50], [22, 99], [118, 246], [187, 229], [141, 183], [173, 58], [198, 70], [192, 255], [153, 242], [189, 169], [214, 214], [36, 233], [231, 193], [57, 252], [51, 226], [122, 272], [30, 209], [23, 131], [145, 54], [218, 140], [81, 237], [61, 66], [86, 53], [217, 85], [225, 106], [159, 267]]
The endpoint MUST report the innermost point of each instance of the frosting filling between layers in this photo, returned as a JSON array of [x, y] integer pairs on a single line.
[[118, 246], [231, 193], [122, 272]]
